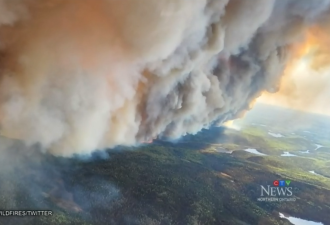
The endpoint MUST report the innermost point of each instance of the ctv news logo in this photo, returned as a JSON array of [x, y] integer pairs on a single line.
[[280, 191]]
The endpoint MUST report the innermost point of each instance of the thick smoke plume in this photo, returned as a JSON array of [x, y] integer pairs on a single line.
[[80, 75], [306, 79]]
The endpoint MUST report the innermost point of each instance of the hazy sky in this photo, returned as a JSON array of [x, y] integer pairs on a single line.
[[305, 84], [305, 89]]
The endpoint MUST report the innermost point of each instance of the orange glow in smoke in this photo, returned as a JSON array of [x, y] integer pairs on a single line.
[[305, 77]]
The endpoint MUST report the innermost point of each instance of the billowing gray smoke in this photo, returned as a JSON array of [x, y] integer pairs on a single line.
[[80, 75]]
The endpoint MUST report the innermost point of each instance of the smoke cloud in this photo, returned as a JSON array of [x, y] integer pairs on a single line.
[[76, 76], [306, 79]]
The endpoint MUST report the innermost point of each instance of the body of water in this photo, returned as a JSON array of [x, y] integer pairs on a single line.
[[313, 172], [318, 146], [222, 150], [287, 154], [298, 221], [305, 152], [254, 151], [275, 135]]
